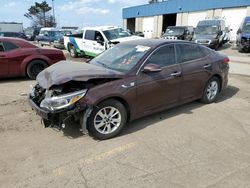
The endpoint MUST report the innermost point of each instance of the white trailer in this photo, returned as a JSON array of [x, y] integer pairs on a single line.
[[11, 27]]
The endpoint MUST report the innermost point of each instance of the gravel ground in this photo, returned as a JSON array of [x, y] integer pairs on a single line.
[[194, 145]]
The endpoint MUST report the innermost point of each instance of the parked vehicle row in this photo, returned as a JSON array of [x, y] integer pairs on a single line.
[[136, 78], [212, 33]]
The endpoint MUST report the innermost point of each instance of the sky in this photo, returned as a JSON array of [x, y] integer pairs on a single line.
[[78, 13]]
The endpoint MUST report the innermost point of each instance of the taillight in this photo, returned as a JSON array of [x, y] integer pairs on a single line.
[[226, 60]]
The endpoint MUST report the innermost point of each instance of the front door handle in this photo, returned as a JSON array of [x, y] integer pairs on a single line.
[[2, 56], [175, 74]]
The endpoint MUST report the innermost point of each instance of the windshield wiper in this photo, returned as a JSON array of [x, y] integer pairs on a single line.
[[103, 64]]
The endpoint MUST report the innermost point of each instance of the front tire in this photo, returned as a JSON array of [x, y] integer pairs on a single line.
[[35, 67], [211, 90], [107, 119]]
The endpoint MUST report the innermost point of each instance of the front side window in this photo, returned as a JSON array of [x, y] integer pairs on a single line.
[[121, 57], [188, 52], [163, 56]]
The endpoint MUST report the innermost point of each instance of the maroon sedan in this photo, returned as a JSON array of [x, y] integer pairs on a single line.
[[21, 58], [131, 80]]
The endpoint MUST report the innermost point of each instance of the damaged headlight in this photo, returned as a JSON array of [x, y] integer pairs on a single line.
[[62, 101]]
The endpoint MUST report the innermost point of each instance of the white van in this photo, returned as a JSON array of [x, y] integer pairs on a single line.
[[94, 40]]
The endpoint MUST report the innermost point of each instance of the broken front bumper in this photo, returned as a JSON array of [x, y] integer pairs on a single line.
[[58, 118]]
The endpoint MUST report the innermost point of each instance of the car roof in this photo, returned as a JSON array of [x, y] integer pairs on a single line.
[[155, 42], [49, 29], [19, 42], [102, 28]]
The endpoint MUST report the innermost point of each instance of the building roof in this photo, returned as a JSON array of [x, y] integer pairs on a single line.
[[178, 6]]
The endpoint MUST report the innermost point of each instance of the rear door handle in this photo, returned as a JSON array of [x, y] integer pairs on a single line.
[[175, 74], [207, 66]]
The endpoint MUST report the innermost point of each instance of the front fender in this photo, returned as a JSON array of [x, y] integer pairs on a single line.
[[30, 58]]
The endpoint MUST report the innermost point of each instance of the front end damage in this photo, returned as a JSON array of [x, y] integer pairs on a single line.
[[60, 93], [62, 104], [57, 113]]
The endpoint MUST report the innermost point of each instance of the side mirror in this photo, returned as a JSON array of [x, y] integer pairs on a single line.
[[151, 68], [220, 32], [99, 40], [239, 31]]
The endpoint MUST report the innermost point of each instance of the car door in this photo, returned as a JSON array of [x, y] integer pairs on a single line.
[[159, 90], [3, 61], [195, 68], [14, 57], [91, 46]]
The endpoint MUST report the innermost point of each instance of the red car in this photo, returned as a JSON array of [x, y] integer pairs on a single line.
[[21, 58]]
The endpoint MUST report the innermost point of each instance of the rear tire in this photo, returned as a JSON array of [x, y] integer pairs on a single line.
[[107, 119], [35, 67], [211, 90]]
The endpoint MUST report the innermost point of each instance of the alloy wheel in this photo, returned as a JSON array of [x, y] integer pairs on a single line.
[[212, 90], [107, 120]]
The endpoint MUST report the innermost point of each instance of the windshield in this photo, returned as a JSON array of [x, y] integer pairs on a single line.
[[206, 30], [174, 31], [122, 57], [246, 28], [116, 33]]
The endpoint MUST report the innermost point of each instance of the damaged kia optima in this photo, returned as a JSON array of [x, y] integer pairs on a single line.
[[131, 80]]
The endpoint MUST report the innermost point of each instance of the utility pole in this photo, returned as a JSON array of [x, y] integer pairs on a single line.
[[53, 8]]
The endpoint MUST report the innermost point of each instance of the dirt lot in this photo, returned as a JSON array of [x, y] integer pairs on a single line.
[[194, 145]]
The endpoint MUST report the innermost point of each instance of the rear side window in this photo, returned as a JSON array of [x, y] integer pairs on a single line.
[[90, 35], [188, 52], [8, 46], [205, 51], [93, 35], [163, 56], [1, 47]]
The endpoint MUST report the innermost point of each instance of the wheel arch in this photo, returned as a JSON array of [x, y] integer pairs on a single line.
[[25, 66], [220, 79], [122, 101]]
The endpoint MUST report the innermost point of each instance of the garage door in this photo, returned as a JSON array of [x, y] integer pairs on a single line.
[[148, 27], [233, 18], [195, 17]]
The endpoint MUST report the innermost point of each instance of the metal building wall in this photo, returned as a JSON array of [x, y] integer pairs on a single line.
[[179, 6]]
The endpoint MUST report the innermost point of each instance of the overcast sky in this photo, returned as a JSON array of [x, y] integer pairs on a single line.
[[71, 12]]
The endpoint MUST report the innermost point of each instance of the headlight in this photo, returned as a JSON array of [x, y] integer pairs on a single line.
[[62, 101]]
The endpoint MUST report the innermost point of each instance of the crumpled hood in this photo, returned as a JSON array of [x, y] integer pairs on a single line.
[[66, 71], [124, 39], [208, 37]]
